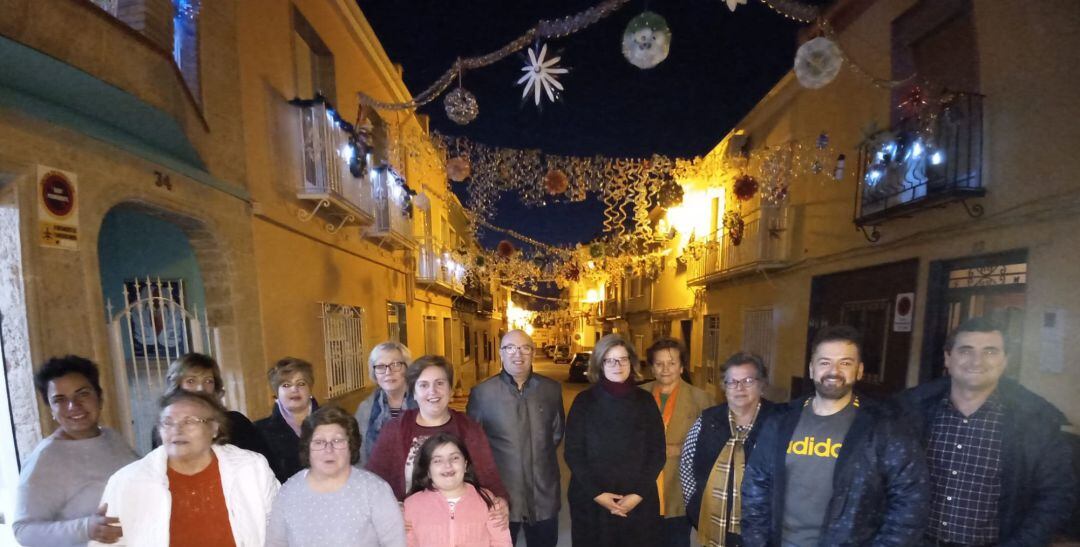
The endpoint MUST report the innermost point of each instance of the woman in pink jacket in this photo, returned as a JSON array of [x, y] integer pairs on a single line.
[[447, 506]]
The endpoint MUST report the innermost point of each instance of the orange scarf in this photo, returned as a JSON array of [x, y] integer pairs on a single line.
[[667, 411]]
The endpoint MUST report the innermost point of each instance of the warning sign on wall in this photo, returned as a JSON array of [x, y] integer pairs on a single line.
[[58, 208], [904, 312]]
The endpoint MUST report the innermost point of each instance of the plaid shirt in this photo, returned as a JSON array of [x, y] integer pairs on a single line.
[[964, 457]]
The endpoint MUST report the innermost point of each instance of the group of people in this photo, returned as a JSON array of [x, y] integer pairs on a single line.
[[971, 459]]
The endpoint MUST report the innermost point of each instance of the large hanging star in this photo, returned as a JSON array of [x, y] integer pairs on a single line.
[[540, 73]]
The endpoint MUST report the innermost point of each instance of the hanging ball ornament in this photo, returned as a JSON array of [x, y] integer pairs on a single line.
[[461, 106], [817, 62], [670, 194], [505, 249], [422, 201], [646, 40], [556, 182], [745, 187], [458, 169]]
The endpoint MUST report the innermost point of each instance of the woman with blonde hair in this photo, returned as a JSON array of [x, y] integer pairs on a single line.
[[386, 366], [291, 380], [615, 450]]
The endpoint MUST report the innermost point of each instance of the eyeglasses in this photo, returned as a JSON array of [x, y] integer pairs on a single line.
[[335, 444], [185, 424], [396, 366], [523, 350], [746, 383], [617, 362]]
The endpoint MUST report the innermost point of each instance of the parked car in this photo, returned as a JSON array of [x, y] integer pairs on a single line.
[[549, 350], [578, 366], [562, 354]]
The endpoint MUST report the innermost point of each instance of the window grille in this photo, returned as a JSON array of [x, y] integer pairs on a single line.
[[759, 335], [343, 329]]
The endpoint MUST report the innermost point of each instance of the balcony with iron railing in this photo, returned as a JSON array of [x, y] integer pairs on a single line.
[[437, 269], [328, 180], [393, 225], [765, 244], [924, 161]]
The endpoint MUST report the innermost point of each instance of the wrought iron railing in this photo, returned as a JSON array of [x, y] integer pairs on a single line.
[[765, 243], [393, 223], [327, 178], [436, 266], [922, 162]]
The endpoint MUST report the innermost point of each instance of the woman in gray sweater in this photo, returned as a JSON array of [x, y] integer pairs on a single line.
[[61, 482], [331, 502]]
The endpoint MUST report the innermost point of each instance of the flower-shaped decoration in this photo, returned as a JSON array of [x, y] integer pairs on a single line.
[[817, 62], [505, 249], [458, 169], [735, 226], [461, 106], [731, 4], [540, 75], [646, 40], [556, 182], [745, 187]]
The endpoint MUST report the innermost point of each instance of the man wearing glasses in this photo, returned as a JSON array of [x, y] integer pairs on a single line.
[[522, 414]]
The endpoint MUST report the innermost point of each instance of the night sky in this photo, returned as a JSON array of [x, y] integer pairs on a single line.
[[720, 65]]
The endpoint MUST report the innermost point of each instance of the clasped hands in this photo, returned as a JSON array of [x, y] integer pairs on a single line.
[[618, 504]]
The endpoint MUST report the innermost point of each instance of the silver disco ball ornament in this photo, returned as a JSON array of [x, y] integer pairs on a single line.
[[461, 106]]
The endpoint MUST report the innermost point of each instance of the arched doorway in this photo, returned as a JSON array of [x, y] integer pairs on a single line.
[[156, 305]]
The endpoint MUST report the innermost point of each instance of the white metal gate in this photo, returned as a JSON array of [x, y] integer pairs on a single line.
[[153, 328]]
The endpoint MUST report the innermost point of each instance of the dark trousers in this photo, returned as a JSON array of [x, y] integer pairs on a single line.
[[677, 532], [544, 533]]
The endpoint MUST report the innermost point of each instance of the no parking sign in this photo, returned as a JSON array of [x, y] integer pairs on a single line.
[[58, 210]]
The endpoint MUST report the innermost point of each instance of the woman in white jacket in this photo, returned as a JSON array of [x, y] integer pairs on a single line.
[[193, 490]]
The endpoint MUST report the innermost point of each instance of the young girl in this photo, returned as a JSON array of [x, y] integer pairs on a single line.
[[447, 507]]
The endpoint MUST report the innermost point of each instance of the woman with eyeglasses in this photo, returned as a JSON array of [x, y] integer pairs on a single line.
[[614, 447], [194, 490], [200, 373], [291, 380], [717, 448], [331, 502], [59, 495], [386, 365], [680, 405]]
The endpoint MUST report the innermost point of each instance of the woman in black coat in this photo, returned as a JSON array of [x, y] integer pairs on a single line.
[[291, 380], [615, 451], [707, 455]]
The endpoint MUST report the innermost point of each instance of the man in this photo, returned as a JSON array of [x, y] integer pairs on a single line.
[[1000, 467], [834, 468], [522, 414]]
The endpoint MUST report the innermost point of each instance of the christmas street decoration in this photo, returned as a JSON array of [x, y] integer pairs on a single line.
[[461, 106], [817, 62], [732, 4], [458, 169], [541, 75], [646, 40]]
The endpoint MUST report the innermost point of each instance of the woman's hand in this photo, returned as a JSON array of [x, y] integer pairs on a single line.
[[104, 529], [628, 502], [499, 514], [610, 501]]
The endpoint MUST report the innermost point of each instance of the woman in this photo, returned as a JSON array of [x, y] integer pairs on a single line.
[[386, 365], [447, 501], [290, 380], [615, 450], [61, 481], [193, 490], [717, 448], [680, 405], [201, 374], [331, 502], [429, 379]]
